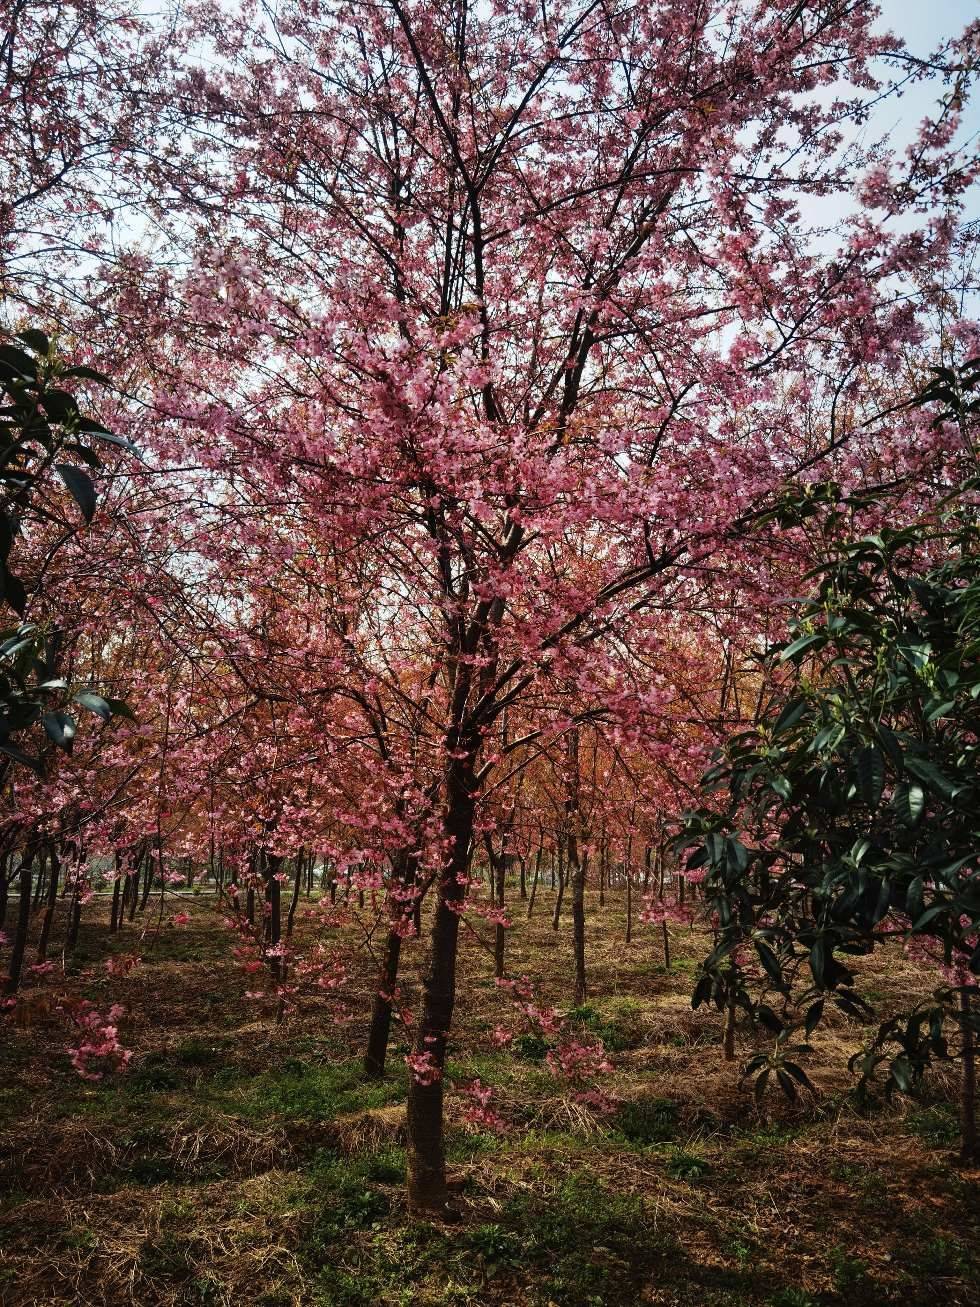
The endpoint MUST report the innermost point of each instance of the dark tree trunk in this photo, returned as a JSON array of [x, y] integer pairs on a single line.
[[577, 865], [534, 883], [116, 912], [628, 868], [273, 896], [968, 1099], [500, 936], [603, 869], [297, 882], [427, 1190], [380, 1028], [148, 875], [41, 879], [23, 876], [559, 899], [379, 1032], [48, 919], [578, 870]]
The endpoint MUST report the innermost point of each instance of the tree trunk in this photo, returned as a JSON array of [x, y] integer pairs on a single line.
[[534, 883], [273, 896], [297, 882], [116, 913], [379, 1032], [561, 884], [427, 1190], [48, 919], [148, 876], [578, 867], [729, 1037], [603, 868], [380, 1028], [498, 872], [24, 878], [968, 1099]]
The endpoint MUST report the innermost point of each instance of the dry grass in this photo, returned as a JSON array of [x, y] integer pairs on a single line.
[[240, 1162]]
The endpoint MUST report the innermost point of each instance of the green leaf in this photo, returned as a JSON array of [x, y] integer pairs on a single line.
[[870, 766], [792, 651], [901, 1073], [80, 487], [797, 1072], [781, 786], [13, 590], [931, 774], [36, 340], [15, 362], [19, 755], [768, 1018], [87, 374], [812, 1019], [60, 727], [121, 709], [95, 703], [59, 405], [770, 962], [818, 957], [930, 914], [909, 801], [790, 715], [941, 710], [786, 1084]]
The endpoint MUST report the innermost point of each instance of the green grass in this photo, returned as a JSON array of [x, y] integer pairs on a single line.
[[311, 1091], [644, 1121], [937, 1126], [594, 1246]]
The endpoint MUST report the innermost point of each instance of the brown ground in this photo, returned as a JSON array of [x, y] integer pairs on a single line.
[[241, 1162]]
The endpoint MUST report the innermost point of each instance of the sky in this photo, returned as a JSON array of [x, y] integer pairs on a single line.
[[924, 24]]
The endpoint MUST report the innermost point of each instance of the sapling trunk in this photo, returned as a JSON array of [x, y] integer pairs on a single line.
[[534, 882], [23, 876], [297, 882], [499, 937], [556, 917], [48, 919], [578, 867], [116, 913], [968, 1098]]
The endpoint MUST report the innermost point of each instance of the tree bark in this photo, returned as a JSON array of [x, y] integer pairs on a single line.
[[534, 883], [48, 919], [379, 1032], [427, 1189], [969, 1151], [24, 878], [556, 917]]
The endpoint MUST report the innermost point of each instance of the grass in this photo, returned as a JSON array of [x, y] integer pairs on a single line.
[[242, 1162]]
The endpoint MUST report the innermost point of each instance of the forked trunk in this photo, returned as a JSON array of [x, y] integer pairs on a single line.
[[379, 1032]]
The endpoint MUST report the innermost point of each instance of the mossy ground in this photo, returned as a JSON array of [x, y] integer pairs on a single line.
[[243, 1162]]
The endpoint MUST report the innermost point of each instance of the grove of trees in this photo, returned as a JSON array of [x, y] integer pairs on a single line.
[[421, 420]]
